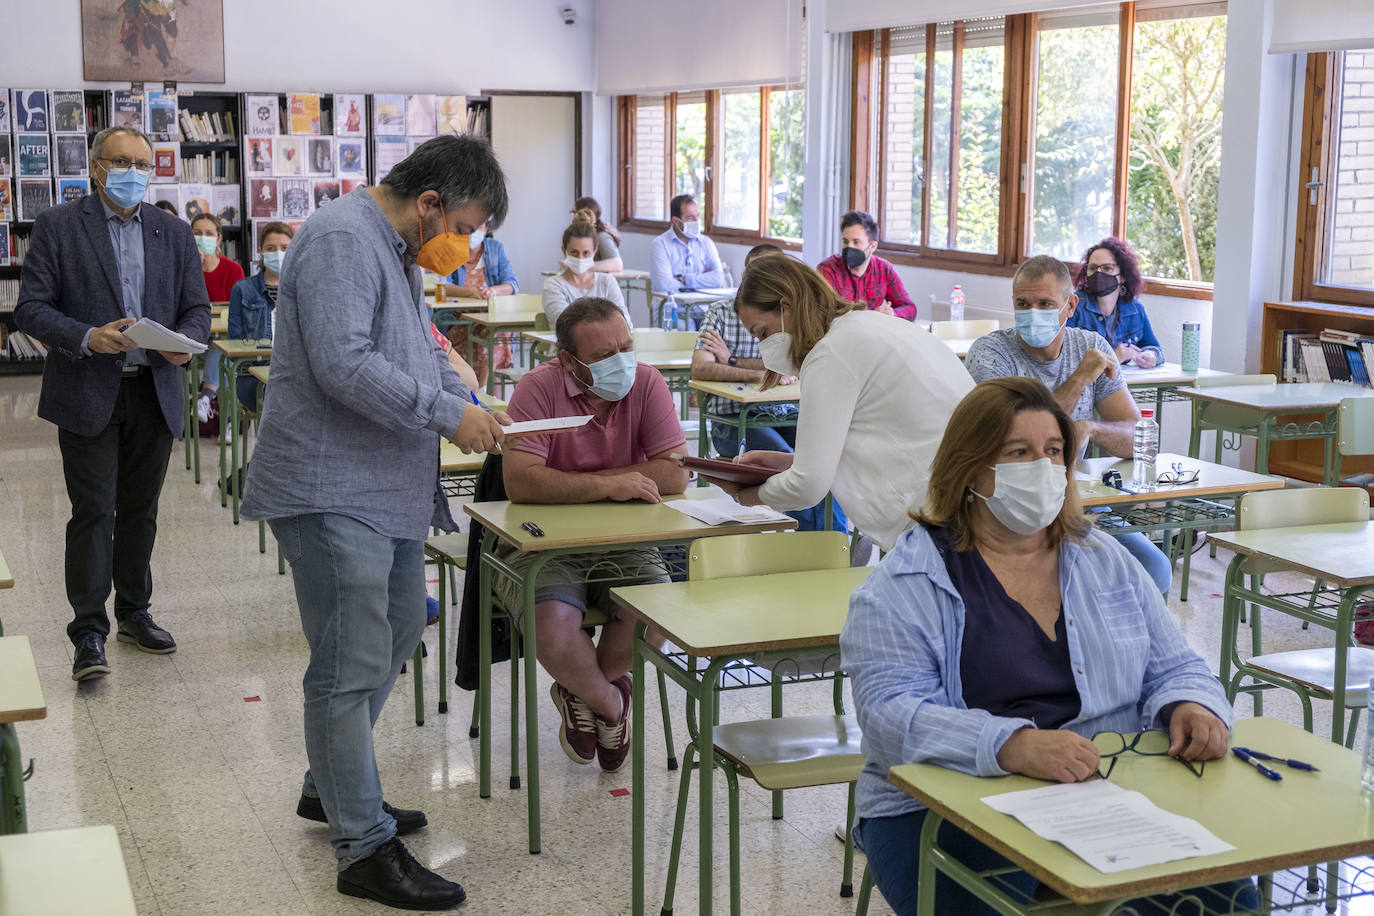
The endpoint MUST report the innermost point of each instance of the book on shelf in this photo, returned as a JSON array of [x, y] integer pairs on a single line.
[[161, 117], [258, 159], [19, 246], [1314, 360], [34, 152], [166, 162], [70, 190], [389, 115], [195, 200], [35, 196], [6, 200], [19, 345], [224, 199], [479, 121], [451, 112], [264, 118], [29, 110], [71, 155], [350, 110], [325, 190], [303, 113], [350, 155], [208, 127], [4, 111], [290, 157], [9, 292], [388, 151], [420, 115], [295, 196], [68, 111], [1336, 367], [1355, 362], [5, 256], [211, 168], [6, 156], [262, 198], [319, 156], [1337, 335], [165, 193], [126, 109]]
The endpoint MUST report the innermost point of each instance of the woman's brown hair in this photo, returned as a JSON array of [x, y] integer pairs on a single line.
[[769, 282], [589, 203], [274, 228], [583, 226], [973, 440], [212, 219]]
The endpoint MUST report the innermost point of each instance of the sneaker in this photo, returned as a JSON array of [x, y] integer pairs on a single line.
[[842, 832], [578, 730], [138, 628], [613, 738], [203, 408], [432, 611], [1363, 630]]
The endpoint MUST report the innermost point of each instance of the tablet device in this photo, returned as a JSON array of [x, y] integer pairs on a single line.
[[747, 475]]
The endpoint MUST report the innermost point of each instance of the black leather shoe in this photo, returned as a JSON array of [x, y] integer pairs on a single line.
[[407, 821], [139, 629], [392, 876], [90, 658]]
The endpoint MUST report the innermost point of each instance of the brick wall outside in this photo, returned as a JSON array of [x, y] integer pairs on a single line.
[[899, 182], [649, 162], [1352, 238]]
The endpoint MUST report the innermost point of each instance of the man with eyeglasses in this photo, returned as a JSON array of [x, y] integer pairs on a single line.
[[93, 268]]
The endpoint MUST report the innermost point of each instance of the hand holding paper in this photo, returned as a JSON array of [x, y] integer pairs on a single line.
[[147, 333]]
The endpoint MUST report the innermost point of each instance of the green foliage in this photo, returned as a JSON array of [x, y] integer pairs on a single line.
[[691, 149], [786, 162]]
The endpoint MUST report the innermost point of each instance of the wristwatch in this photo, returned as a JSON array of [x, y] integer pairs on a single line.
[[732, 360]]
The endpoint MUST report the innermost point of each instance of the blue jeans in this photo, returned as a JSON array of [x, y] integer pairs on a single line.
[[893, 848], [1155, 561], [362, 603], [211, 374], [725, 439], [246, 390]]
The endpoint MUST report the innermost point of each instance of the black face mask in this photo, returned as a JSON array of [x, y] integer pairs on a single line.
[[853, 257], [1100, 284]]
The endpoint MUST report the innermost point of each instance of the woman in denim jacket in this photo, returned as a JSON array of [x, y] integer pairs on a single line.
[[487, 273], [1108, 285], [253, 299]]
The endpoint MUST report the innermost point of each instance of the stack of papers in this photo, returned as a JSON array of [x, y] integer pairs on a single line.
[[551, 425], [150, 335], [1110, 828], [722, 510]]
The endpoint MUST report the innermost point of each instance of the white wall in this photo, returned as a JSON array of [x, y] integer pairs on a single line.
[[396, 46]]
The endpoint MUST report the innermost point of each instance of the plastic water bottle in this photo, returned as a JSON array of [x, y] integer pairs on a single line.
[[956, 304], [1146, 450], [669, 320], [1367, 771]]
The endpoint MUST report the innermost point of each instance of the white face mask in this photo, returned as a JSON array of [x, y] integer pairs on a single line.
[[1028, 494], [776, 351], [475, 239], [578, 265], [691, 228]]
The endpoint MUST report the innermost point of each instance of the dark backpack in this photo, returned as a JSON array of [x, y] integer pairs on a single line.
[[489, 487]]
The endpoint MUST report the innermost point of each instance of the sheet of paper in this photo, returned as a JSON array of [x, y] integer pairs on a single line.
[[150, 335], [1110, 828], [551, 425], [721, 510]]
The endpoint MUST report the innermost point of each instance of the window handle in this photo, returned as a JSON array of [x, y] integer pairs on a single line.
[[1315, 185]]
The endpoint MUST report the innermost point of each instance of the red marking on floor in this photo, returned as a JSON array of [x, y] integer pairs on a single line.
[[1214, 595], [619, 793], [252, 699]]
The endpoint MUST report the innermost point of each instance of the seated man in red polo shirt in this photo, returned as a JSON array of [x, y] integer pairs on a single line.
[[623, 454]]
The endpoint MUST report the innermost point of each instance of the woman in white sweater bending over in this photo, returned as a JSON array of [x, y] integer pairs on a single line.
[[577, 278], [876, 393]]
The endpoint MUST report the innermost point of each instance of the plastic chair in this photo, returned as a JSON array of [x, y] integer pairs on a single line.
[[1355, 434], [450, 553], [777, 753], [514, 374], [964, 330]]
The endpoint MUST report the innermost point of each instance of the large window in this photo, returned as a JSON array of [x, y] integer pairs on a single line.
[[1336, 221], [740, 152], [997, 138]]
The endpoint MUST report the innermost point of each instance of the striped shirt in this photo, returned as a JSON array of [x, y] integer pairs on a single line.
[[901, 646]]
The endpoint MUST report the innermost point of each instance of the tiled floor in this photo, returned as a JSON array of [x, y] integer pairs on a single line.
[[201, 784]]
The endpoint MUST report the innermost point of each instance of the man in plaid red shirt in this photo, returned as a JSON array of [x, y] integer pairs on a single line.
[[859, 275]]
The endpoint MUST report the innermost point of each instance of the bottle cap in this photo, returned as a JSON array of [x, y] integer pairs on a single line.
[[1147, 413], [1192, 326]]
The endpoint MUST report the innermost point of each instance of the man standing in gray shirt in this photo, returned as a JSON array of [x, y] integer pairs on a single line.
[[1077, 365], [346, 473]]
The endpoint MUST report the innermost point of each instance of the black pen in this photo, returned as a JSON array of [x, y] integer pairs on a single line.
[[1244, 755], [1292, 764]]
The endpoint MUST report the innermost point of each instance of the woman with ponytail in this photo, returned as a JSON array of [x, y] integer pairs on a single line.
[[579, 278]]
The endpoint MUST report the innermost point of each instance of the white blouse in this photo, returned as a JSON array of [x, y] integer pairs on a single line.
[[559, 294]]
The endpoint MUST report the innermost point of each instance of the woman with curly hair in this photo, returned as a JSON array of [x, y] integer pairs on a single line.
[[1108, 284]]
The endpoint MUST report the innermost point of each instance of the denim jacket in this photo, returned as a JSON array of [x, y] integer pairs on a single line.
[[496, 267], [1129, 324], [250, 310], [904, 636]]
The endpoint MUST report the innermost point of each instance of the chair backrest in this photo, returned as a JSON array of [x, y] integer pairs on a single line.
[[964, 330], [1308, 506], [1356, 427], [519, 304], [655, 340], [764, 554], [1221, 381]]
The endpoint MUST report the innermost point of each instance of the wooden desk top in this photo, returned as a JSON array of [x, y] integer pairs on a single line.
[[1341, 554], [710, 617], [21, 697], [742, 393], [261, 373], [6, 577], [700, 297], [60, 872], [1296, 397], [1164, 374], [1214, 480], [219, 325], [603, 524], [1307, 818], [453, 461], [239, 349], [631, 274], [502, 319]]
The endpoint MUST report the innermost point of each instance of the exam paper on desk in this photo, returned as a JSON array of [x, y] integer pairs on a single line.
[[722, 509], [1111, 828]]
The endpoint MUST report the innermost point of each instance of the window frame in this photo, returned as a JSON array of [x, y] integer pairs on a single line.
[[1311, 247], [626, 155], [868, 144]]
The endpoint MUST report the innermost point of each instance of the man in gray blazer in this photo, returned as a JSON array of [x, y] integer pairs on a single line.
[[93, 267]]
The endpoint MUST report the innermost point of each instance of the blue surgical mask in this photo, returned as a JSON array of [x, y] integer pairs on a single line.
[[125, 187], [614, 376], [271, 260], [1038, 327]]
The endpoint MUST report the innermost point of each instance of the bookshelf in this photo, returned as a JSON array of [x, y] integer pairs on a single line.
[[1302, 459]]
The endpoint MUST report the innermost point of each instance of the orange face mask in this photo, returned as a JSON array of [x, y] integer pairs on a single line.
[[444, 253]]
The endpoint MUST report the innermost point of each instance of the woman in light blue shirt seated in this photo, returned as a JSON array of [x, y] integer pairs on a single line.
[[1002, 633]]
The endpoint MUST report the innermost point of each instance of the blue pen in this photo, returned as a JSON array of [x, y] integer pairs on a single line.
[[473, 395], [1264, 771], [1291, 764]]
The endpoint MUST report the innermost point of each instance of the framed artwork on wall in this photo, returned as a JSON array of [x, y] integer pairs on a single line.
[[155, 40]]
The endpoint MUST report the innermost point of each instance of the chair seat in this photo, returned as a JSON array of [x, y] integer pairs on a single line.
[[794, 752], [1315, 669], [450, 548]]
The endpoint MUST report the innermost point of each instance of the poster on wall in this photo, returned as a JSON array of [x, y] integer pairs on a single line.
[[4, 111], [126, 109], [319, 156], [452, 112], [262, 198], [349, 111], [351, 157], [70, 190], [296, 196], [224, 198], [71, 155], [153, 40], [303, 112], [389, 115], [30, 110], [34, 154], [35, 196], [263, 117], [68, 111], [259, 157], [6, 157], [290, 157]]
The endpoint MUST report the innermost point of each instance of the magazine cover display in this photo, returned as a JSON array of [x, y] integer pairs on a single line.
[[295, 195], [126, 109], [224, 199], [452, 114], [319, 156], [262, 198], [6, 156], [261, 119], [4, 111], [72, 160], [30, 110], [72, 189], [35, 196], [389, 115], [290, 158], [34, 153], [68, 111], [162, 115], [303, 112], [350, 115]]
